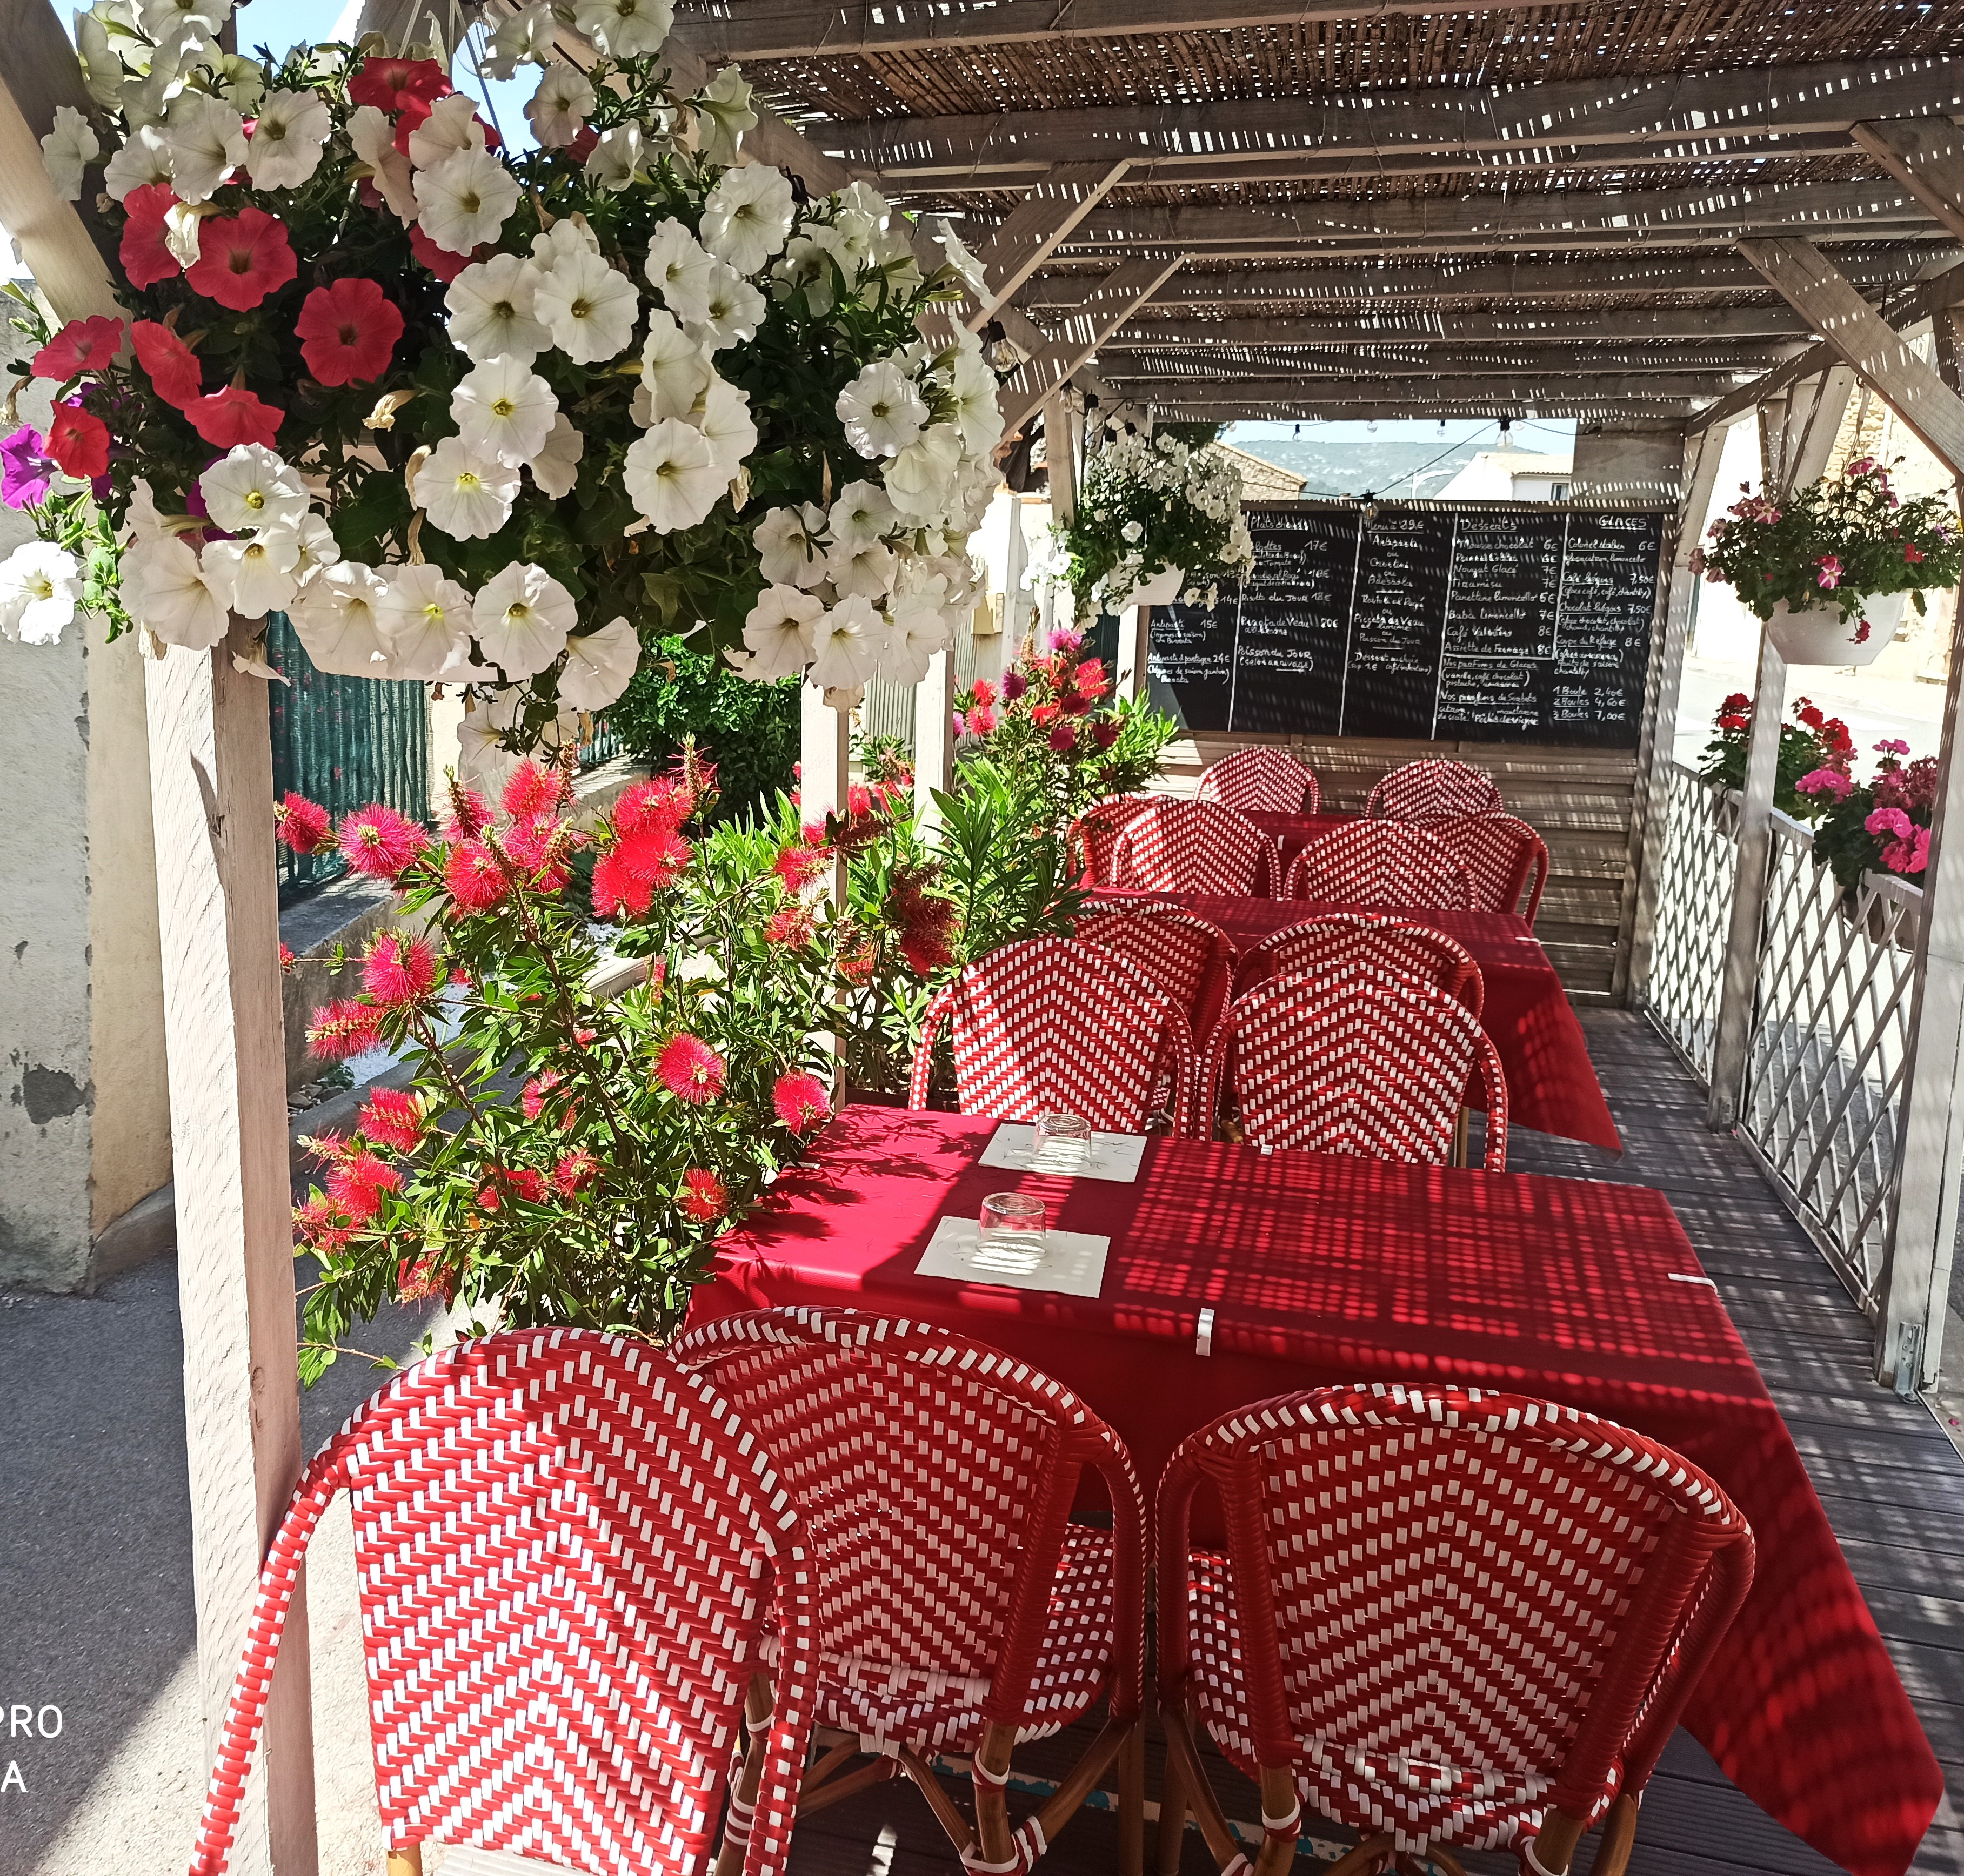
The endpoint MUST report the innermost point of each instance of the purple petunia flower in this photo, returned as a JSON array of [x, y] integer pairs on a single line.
[[26, 472]]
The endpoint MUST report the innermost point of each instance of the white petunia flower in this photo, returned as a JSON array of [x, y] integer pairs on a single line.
[[520, 619], [735, 309], [568, 236], [423, 618], [144, 159], [977, 412], [181, 233], [206, 141], [468, 493], [599, 665], [165, 589], [805, 268], [782, 632], [316, 545], [505, 408], [788, 546], [723, 105], [101, 68], [451, 126], [920, 479], [866, 569], [338, 618], [288, 135], [588, 308], [141, 520], [490, 305], [615, 160], [971, 269], [748, 215], [250, 487], [674, 369], [556, 468], [672, 475], [680, 269], [559, 109], [724, 419], [255, 571], [525, 38], [625, 29], [881, 411], [919, 628], [861, 514], [373, 138], [67, 150], [239, 80], [463, 201], [847, 643], [39, 584]]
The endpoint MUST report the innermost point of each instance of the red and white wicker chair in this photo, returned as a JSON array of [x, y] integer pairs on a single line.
[[1442, 1618], [1506, 859], [1051, 1023], [961, 1610], [1433, 790], [1093, 836], [1342, 1062], [1375, 942], [1381, 863], [1190, 962], [572, 1560], [1175, 846], [1260, 781]]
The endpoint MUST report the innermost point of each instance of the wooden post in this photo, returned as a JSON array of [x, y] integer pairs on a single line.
[[1135, 638], [825, 760], [211, 782], [934, 740]]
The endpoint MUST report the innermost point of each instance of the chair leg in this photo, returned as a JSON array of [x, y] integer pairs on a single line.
[[757, 1705], [1619, 1835], [990, 1768], [1182, 1753], [1132, 1802], [1371, 1854], [406, 1859], [1172, 1839]]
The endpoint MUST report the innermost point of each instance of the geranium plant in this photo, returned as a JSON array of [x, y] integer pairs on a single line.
[[483, 417], [1879, 825], [1835, 545], [1146, 506], [1815, 752]]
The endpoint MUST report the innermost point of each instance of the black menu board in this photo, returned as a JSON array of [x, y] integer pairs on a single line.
[[1515, 622]]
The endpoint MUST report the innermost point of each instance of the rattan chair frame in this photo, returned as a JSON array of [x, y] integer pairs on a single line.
[[1100, 923], [1381, 863], [1506, 857], [1433, 788], [1269, 781], [1380, 939], [1185, 833], [1093, 836]]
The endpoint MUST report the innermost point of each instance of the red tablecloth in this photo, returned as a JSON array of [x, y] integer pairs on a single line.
[[1322, 1270], [1551, 1084], [1292, 832]]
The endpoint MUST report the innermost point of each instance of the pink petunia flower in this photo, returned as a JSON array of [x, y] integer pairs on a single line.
[[1830, 574]]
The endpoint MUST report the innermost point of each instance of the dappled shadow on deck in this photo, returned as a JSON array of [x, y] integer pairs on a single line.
[[1892, 1484]]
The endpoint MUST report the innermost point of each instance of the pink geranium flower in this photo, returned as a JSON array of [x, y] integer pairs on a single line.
[[690, 1069], [1827, 781], [1889, 821]]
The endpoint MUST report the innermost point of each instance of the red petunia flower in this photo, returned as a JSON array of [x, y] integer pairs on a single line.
[[348, 332], [473, 877], [78, 441], [441, 261], [389, 83], [229, 418], [301, 824], [702, 1195], [533, 790], [393, 1117], [344, 1028], [398, 970], [146, 258], [802, 1102], [171, 364], [690, 1069], [81, 345], [377, 841], [242, 258], [575, 1172]]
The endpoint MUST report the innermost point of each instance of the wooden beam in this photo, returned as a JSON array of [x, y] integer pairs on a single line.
[[1705, 327], [1926, 156], [1502, 390], [1810, 285], [1366, 359], [1617, 109], [1110, 303], [1225, 407], [1054, 207]]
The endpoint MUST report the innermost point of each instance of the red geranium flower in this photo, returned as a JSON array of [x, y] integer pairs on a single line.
[[145, 258], [81, 345], [171, 365], [378, 842], [348, 332], [703, 1196], [473, 876], [78, 442], [388, 83], [242, 257], [393, 1117], [802, 1101], [690, 1069], [398, 970], [229, 418], [344, 1028], [441, 261], [302, 825]]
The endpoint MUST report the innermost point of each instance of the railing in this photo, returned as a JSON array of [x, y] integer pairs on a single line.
[[602, 743], [1696, 871]]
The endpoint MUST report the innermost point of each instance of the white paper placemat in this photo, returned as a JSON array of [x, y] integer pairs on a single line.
[[1114, 1156], [1072, 1262]]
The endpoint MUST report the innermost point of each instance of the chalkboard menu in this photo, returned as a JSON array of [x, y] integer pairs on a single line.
[[1499, 622]]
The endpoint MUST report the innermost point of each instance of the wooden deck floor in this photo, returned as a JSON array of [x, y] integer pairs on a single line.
[[1891, 1482]]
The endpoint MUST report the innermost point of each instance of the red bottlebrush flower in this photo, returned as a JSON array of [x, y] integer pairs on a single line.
[[1091, 681], [81, 345], [348, 332], [242, 258], [329, 1148], [1105, 732], [356, 1184], [983, 691], [858, 801], [377, 841], [690, 1069], [388, 83], [392, 1117], [318, 1226], [441, 261], [802, 1101], [532, 1100], [575, 1172], [856, 966], [795, 926], [629, 873], [287, 961], [473, 876], [344, 1028], [302, 825], [1064, 739], [981, 720], [78, 441], [801, 866], [702, 1195], [422, 1279], [469, 814], [926, 951], [226, 418], [1043, 714], [1014, 684], [398, 970], [528, 1185], [533, 790], [539, 847], [146, 258], [171, 365], [662, 801]]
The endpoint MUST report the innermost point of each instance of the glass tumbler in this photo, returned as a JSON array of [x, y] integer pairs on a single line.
[[1011, 1238], [1062, 1144]]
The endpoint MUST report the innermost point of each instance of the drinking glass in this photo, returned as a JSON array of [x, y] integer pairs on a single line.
[[1063, 1143], [1011, 1238]]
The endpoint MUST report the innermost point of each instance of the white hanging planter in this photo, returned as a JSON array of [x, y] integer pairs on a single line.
[[1821, 635], [1161, 590]]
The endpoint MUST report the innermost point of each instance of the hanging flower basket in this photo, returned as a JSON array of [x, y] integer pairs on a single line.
[[1821, 636], [1161, 590]]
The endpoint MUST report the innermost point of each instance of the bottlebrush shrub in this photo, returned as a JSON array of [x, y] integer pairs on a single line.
[[1813, 748], [1835, 544], [1147, 506], [489, 419]]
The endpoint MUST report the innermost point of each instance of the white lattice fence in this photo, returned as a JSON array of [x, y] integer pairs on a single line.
[[1694, 893]]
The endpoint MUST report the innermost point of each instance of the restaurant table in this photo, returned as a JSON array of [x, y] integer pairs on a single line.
[[1320, 1270], [1292, 832], [1551, 1084]]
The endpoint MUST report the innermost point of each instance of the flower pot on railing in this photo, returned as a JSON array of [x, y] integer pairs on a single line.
[[1821, 635]]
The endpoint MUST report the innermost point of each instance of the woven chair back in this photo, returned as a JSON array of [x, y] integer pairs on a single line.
[[1191, 963], [1261, 781], [1381, 863], [1340, 1061], [570, 1556], [1051, 1023], [1373, 941], [1506, 859], [1433, 789], [1174, 846], [1093, 836], [1453, 1609]]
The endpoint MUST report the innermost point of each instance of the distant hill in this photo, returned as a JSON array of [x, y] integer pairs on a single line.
[[1350, 469]]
